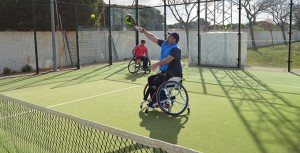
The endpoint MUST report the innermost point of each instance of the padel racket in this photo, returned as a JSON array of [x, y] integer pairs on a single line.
[[129, 21]]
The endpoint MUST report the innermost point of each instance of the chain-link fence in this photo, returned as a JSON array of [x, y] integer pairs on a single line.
[[226, 33]]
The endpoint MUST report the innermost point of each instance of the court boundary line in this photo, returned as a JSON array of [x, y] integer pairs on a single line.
[[73, 101]]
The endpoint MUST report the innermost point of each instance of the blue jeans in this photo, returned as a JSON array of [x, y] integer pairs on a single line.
[[145, 61]]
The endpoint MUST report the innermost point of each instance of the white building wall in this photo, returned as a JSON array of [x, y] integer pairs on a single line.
[[220, 49]]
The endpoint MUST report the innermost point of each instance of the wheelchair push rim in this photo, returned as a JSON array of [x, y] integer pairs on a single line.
[[133, 67], [172, 98]]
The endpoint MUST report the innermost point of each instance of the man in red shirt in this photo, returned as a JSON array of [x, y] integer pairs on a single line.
[[141, 52]]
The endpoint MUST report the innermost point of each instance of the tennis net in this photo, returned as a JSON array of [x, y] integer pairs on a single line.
[[26, 127]]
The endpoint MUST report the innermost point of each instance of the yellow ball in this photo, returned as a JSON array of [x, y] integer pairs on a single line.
[[93, 16]]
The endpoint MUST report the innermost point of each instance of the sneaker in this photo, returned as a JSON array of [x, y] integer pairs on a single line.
[[152, 106]]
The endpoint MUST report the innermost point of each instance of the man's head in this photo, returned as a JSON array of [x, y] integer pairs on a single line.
[[173, 37], [143, 41]]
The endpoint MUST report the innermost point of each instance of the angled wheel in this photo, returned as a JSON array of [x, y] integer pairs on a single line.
[[172, 98], [144, 95], [133, 67], [145, 90], [148, 69]]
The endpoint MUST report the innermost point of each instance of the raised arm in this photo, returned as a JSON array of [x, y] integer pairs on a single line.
[[149, 35]]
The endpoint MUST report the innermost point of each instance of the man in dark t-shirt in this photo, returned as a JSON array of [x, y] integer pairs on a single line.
[[169, 64]]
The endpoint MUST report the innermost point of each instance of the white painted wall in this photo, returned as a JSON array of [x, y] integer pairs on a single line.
[[264, 38], [17, 49], [219, 49]]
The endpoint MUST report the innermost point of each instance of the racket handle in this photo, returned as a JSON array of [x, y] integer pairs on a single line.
[[139, 28]]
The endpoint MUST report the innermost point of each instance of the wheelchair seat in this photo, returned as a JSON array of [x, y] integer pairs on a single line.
[[176, 79]]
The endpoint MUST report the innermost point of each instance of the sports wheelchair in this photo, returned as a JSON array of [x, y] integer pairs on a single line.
[[171, 97], [136, 64]]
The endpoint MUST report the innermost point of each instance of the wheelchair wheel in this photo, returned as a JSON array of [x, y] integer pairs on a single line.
[[149, 64], [133, 67], [172, 98], [145, 90], [144, 94]]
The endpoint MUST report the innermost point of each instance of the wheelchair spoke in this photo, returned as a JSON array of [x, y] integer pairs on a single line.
[[173, 98], [181, 96], [182, 103]]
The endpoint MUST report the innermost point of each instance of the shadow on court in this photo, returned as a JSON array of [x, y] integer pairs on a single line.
[[134, 77], [297, 74], [35, 80], [161, 126], [269, 117], [138, 148]]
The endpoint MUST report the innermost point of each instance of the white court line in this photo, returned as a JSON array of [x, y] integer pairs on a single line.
[[92, 96], [73, 101], [189, 76]]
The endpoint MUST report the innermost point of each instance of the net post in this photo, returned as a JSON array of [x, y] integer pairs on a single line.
[[165, 19], [35, 39], [109, 36], [199, 36], [239, 35], [53, 35], [137, 21], [290, 36], [77, 36]]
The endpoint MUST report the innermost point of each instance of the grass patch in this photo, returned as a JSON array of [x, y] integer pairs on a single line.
[[276, 57]]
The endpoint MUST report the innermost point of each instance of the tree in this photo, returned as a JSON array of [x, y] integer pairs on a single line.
[[17, 14], [182, 14], [280, 14], [192, 25], [151, 18], [268, 25], [296, 13], [253, 8]]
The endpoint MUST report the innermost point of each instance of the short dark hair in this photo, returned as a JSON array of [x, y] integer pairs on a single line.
[[143, 41]]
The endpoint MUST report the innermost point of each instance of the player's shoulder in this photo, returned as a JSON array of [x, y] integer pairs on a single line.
[[160, 42]]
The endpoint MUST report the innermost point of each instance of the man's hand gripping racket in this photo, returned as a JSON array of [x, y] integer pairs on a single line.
[[129, 21]]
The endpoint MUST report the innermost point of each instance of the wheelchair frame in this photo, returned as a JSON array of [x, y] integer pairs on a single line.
[[134, 66], [171, 97]]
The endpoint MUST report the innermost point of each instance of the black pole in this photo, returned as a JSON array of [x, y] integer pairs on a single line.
[[165, 19], [77, 37], [109, 36], [137, 21], [35, 39], [199, 36], [290, 37], [239, 35]]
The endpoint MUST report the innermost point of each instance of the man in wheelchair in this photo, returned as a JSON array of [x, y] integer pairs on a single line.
[[140, 53], [169, 64]]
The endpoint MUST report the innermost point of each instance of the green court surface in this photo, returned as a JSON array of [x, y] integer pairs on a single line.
[[232, 111]]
